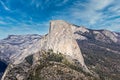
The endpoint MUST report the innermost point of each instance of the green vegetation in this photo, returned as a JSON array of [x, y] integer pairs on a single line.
[[54, 57], [61, 58], [51, 59]]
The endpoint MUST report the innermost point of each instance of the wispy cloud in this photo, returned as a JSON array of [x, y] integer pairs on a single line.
[[32, 16], [5, 7], [98, 5], [61, 2], [2, 22], [93, 13]]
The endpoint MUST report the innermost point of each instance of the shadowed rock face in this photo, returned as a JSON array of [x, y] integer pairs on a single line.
[[3, 66]]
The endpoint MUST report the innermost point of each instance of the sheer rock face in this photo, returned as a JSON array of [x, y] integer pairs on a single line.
[[61, 39]]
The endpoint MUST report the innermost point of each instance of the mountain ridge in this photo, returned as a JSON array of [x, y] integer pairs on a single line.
[[58, 44], [85, 41]]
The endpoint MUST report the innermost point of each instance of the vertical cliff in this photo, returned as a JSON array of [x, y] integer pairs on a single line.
[[60, 39]]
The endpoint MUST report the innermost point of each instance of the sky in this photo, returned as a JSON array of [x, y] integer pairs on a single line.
[[33, 16]]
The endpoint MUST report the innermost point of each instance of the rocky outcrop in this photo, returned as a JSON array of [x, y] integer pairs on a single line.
[[60, 39], [64, 41], [46, 66], [52, 66], [100, 49]]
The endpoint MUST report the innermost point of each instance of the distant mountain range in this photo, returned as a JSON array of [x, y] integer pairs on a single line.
[[13, 46], [66, 52]]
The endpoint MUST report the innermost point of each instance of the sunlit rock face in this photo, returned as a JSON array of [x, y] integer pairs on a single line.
[[105, 36], [69, 40], [60, 39], [64, 40], [110, 35]]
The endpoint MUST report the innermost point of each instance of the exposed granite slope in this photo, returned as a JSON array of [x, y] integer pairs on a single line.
[[60, 39]]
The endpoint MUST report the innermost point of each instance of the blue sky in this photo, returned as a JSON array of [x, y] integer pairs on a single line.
[[33, 16]]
